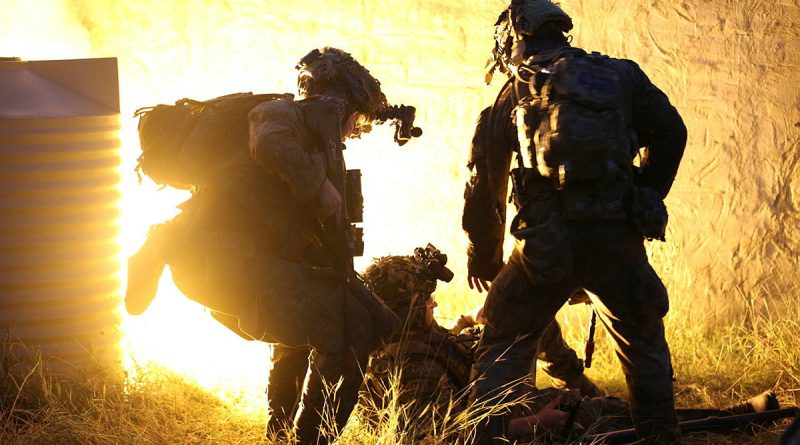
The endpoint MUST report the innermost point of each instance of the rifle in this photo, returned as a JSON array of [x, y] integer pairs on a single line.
[[341, 235], [712, 424], [344, 236]]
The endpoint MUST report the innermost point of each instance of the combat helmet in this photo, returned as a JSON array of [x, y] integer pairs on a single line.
[[326, 69], [521, 18], [405, 283]]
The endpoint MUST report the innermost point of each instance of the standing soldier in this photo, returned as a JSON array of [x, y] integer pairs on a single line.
[[574, 122], [399, 280], [435, 362], [249, 244]]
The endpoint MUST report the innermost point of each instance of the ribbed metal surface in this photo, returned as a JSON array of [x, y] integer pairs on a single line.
[[59, 159]]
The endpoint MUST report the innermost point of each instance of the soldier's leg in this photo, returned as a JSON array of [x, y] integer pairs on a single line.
[[632, 303], [563, 364], [517, 312], [341, 346], [296, 305], [603, 414], [289, 367], [329, 396]]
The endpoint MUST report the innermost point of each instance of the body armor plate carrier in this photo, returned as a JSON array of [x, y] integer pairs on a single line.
[[575, 132]]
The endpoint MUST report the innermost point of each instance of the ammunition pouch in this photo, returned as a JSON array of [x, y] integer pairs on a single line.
[[542, 237], [649, 214], [355, 198], [355, 209], [590, 201], [517, 188]]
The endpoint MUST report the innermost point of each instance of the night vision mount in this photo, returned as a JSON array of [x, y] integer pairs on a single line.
[[435, 262], [402, 117]]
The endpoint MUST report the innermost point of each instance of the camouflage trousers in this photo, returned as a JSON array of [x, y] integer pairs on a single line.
[[560, 361], [294, 305], [286, 381], [290, 365], [608, 260], [596, 414]]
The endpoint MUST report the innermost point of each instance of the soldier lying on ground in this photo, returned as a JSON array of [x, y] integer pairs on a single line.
[[434, 367], [289, 365]]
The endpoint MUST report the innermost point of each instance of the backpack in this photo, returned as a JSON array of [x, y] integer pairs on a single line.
[[582, 139], [184, 144]]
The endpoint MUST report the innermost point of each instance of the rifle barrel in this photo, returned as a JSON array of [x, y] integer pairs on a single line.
[[722, 423]]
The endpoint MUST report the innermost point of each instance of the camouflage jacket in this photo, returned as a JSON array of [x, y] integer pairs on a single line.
[[434, 368], [268, 197], [657, 125]]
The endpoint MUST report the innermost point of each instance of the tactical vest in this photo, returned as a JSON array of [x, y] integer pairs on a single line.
[[454, 353], [574, 128]]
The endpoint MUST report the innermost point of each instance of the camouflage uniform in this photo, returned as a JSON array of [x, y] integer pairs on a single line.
[[606, 257], [289, 366], [286, 378], [246, 245], [434, 364]]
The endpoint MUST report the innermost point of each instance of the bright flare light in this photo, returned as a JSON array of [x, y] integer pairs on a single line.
[[170, 50]]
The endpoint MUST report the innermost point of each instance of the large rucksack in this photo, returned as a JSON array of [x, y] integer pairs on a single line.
[[578, 135], [184, 144]]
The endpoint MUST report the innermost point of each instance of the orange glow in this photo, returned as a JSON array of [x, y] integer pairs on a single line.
[[169, 50], [734, 224]]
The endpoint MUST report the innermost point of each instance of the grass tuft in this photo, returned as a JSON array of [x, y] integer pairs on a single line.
[[750, 345]]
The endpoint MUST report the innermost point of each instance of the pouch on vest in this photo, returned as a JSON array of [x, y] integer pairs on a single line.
[[542, 237], [591, 201]]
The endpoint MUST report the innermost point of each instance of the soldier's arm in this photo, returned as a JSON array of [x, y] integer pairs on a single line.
[[481, 218], [275, 145], [549, 418], [661, 130]]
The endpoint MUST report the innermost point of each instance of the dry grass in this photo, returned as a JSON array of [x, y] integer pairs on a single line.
[[722, 353], [716, 365], [155, 407]]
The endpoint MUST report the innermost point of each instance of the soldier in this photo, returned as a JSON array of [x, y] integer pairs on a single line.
[[433, 366], [435, 363], [392, 277], [583, 208], [248, 244]]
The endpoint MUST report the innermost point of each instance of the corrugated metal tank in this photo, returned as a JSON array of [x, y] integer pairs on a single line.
[[59, 194]]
